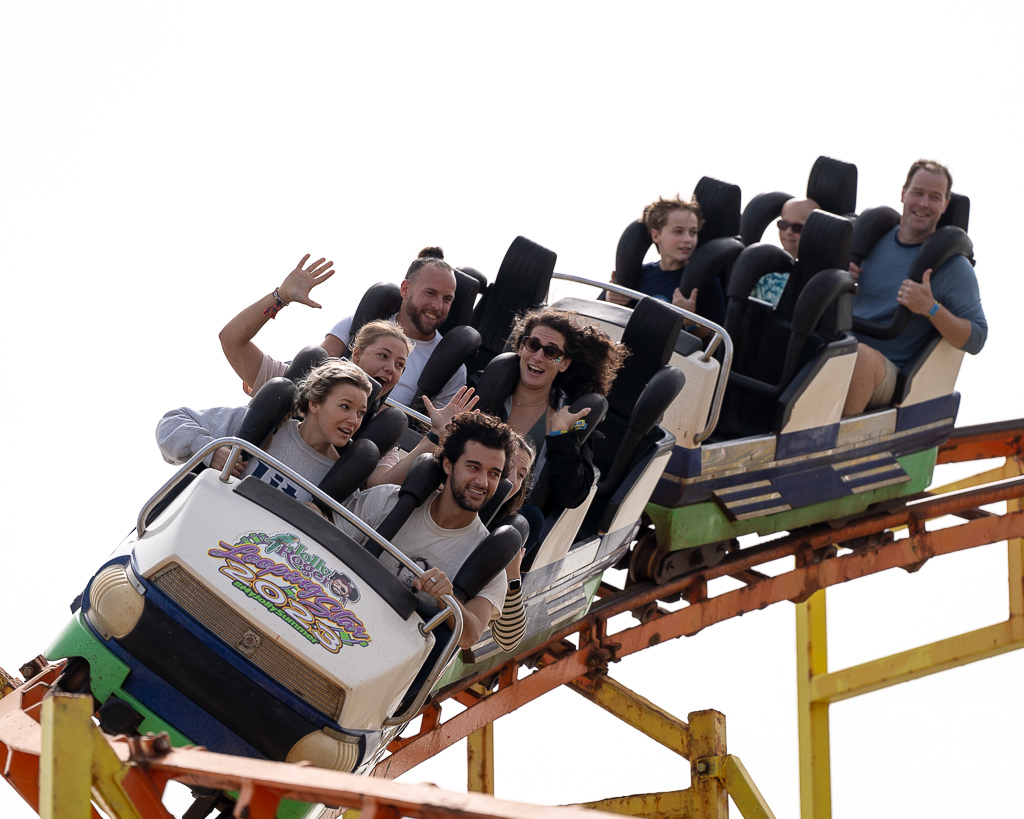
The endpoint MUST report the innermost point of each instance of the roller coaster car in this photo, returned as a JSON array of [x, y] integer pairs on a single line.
[[760, 444]]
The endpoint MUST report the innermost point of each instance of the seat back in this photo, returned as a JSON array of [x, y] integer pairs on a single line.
[[381, 301], [832, 183], [467, 287], [521, 284]]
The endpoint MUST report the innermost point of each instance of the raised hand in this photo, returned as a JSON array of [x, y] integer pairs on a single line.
[[563, 420], [463, 401], [301, 280], [917, 298]]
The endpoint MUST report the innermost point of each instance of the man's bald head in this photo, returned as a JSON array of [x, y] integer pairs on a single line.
[[794, 212]]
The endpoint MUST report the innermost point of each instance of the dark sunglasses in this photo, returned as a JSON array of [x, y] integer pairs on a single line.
[[551, 352], [796, 227]]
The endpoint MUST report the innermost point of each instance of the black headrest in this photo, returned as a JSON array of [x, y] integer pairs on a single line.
[[385, 428], [825, 243], [268, 409], [871, 226], [354, 465], [760, 212], [521, 284], [629, 254], [497, 382], [455, 349], [832, 183], [958, 212], [381, 301], [424, 477], [720, 203], [489, 558], [306, 360]]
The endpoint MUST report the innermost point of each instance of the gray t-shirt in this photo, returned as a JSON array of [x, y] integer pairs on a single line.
[[423, 541], [183, 432]]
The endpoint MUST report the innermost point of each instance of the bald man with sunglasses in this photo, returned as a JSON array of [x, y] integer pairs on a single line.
[[794, 215]]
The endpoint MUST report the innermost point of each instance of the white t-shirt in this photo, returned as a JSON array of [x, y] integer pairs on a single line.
[[423, 541], [405, 391]]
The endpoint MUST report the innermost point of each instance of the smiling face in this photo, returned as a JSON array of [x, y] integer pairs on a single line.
[[336, 419], [426, 301], [677, 240], [473, 478], [924, 200], [536, 370], [795, 211], [384, 359]]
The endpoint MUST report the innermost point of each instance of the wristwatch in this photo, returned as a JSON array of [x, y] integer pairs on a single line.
[[515, 585]]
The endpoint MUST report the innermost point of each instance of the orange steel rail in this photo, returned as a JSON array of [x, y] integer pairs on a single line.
[[818, 564]]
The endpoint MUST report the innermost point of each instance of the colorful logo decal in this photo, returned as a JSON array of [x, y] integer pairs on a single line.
[[298, 587]]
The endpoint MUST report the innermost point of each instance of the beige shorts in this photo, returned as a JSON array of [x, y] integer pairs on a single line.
[[882, 395]]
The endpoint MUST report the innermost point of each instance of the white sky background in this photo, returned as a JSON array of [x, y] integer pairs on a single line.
[[162, 166]]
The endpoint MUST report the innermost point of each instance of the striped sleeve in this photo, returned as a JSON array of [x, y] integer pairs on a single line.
[[508, 630]]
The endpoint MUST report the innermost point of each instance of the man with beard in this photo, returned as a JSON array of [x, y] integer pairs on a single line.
[[476, 452], [427, 295]]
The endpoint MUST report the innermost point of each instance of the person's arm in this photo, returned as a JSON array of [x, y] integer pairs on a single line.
[[615, 298], [183, 432], [463, 401], [236, 339], [508, 630], [476, 613], [572, 469], [958, 330]]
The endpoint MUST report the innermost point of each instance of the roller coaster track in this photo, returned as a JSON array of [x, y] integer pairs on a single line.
[[578, 655], [127, 777]]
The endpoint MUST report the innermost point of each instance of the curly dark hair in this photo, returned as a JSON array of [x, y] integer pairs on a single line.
[[428, 257], [480, 427], [596, 359]]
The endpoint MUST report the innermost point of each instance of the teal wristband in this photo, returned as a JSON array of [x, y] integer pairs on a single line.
[[935, 309]]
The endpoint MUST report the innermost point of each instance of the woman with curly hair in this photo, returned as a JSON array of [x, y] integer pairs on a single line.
[[561, 358]]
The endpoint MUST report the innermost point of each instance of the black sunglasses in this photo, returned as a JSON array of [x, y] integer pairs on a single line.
[[796, 227], [551, 352]]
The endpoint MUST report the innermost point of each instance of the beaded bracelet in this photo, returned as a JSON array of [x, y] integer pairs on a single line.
[[275, 308]]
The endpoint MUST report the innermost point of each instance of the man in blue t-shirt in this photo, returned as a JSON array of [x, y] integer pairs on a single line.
[[949, 301]]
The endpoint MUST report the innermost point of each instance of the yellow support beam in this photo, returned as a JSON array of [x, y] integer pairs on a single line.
[[812, 717], [480, 760], [707, 741], [743, 791], [65, 760], [918, 662], [667, 805], [637, 712]]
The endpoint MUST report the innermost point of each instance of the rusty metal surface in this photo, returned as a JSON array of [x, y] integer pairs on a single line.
[[1000, 439], [817, 567]]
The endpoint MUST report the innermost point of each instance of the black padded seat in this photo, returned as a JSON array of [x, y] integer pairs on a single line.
[[642, 391], [521, 284], [777, 352], [832, 183]]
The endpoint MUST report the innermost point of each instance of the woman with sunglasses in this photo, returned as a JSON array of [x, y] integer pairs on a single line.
[[794, 213], [561, 358]]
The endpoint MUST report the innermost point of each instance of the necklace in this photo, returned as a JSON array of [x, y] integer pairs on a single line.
[[519, 403]]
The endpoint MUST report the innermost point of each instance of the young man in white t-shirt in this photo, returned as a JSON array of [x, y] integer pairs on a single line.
[[475, 452]]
